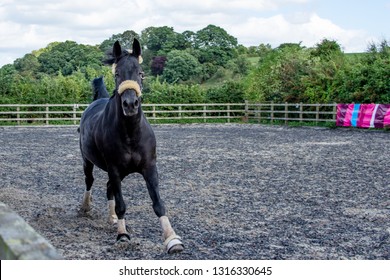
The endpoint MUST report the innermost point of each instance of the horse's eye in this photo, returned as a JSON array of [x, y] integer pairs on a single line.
[[142, 75]]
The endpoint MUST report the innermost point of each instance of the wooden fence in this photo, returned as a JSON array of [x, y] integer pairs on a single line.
[[52, 114], [286, 112]]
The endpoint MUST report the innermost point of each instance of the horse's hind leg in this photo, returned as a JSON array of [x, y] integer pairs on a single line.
[[172, 241], [87, 199]]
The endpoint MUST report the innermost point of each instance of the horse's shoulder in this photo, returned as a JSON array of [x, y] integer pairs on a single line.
[[97, 105]]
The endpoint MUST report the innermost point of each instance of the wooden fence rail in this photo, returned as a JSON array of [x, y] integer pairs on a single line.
[[297, 112], [46, 114]]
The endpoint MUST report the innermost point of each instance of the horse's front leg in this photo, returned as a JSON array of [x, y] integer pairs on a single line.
[[172, 242], [115, 190], [112, 217]]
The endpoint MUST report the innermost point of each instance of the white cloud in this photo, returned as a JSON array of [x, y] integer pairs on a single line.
[[31, 24], [309, 30]]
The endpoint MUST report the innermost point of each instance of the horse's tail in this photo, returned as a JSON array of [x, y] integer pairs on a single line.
[[99, 89]]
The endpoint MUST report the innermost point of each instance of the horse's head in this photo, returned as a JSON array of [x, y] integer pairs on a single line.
[[128, 77]]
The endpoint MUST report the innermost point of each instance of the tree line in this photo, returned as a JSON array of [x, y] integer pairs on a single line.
[[204, 66]]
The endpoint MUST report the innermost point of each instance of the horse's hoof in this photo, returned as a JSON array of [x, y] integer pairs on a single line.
[[84, 211], [122, 238], [123, 242], [176, 249], [174, 244]]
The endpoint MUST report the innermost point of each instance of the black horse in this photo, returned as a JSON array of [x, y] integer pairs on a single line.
[[99, 89], [116, 137]]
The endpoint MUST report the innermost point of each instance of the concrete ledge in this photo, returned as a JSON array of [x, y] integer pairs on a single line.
[[19, 241]]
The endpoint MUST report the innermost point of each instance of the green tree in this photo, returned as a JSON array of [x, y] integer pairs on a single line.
[[278, 75], [371, 76], [28, 65], [7, 82], [240, 66], [377, 88], [215, 44], [327, 63], [69, 56], [181, 66], [161, 40], [189, 37], [125, 39], [326, 49], [214, 36], [294, 66]]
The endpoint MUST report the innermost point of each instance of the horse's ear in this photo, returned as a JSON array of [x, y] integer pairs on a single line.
[[136, 48], [117, 50]]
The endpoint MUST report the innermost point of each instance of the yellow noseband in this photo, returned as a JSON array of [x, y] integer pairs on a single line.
[[129, 84]]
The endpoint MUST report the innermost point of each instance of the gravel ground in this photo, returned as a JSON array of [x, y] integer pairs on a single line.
[[232, 192]]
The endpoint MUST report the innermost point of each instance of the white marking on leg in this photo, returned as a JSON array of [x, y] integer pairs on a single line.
[[166, 227], [121, 226], [169, 235], [112, 218], [87, 201]]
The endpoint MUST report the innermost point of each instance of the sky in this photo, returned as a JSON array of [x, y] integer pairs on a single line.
[[28, 25]]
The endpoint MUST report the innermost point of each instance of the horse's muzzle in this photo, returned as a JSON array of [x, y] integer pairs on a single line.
[[130, 107]]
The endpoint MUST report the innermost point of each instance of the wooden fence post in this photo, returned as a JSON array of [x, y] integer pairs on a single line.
[[246, 110], [204, 113], [47, 114], [301, 112], [285, 113], [317, 113], [228, 113], [259, 113], [75, 106], [18, 114], [272, 112]]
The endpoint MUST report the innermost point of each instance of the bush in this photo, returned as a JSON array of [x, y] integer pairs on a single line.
[[162, 92], [228, 92]]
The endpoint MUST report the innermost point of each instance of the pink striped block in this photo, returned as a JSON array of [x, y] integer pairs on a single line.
[[366, 114], [363, 115], [381, 116], [386, 122], [341, 111], [348, 115]]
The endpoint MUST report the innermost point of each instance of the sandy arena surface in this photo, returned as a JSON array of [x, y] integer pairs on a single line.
[[232, 191]]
